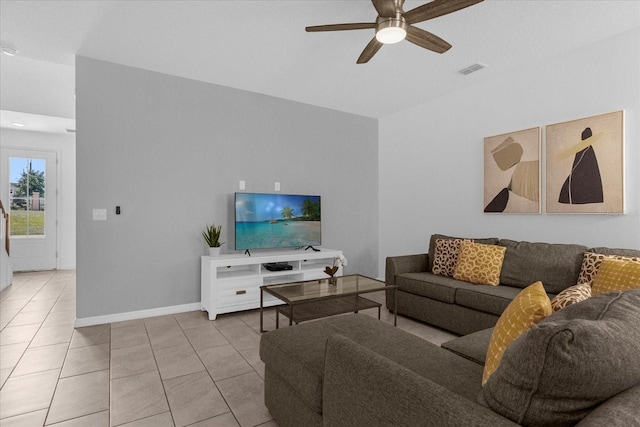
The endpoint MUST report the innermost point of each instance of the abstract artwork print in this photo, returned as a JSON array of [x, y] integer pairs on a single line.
[[512, 172], [584, 184], [585, 165]]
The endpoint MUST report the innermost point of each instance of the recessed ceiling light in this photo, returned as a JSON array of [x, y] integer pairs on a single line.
[[9, 50], [18, 124]]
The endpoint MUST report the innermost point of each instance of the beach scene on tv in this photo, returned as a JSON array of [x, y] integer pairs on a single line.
[[266, 221]]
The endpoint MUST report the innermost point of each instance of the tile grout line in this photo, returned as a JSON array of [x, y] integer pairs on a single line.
[[155, 360], [29, 345], [207, 371], [59, 375]]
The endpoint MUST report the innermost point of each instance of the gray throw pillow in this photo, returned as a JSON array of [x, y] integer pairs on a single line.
[[570, 362]]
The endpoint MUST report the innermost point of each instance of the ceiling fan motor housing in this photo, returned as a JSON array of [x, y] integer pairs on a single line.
[[391, 30]]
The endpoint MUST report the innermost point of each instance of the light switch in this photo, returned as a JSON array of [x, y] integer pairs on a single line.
[[242, 185], [99, 214], [277, 186]]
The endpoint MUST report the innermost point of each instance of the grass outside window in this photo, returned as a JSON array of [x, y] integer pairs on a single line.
[[18, 223]]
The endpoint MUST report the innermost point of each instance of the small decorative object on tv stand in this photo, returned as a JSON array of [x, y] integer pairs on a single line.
[[338, 262], [232, 282]]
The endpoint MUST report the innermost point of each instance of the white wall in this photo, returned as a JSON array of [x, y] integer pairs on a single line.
[[431, 156], [170, 151], [65, 147]]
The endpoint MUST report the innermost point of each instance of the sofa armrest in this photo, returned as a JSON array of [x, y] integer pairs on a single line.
[[404, 264], [363, 388]]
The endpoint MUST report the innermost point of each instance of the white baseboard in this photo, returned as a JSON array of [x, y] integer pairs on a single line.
[[132, 315], [67, 267]]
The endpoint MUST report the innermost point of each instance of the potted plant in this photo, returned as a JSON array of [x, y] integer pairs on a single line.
[[212, 236]]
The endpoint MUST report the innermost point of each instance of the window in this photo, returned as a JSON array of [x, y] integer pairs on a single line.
[[27, 196]]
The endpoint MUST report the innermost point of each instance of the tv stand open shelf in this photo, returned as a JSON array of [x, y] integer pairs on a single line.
[[232, 283]]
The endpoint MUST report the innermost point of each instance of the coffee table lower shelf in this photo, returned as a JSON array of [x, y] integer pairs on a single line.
[[323, 308]]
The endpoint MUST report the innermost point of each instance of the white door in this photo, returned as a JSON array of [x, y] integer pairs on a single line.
[[28, 185]]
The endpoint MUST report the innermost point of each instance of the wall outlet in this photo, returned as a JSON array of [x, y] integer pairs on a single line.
[[242, 185], [277, 186]]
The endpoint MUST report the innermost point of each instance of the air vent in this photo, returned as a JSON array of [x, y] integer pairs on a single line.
[[71, 130], [472, 68]]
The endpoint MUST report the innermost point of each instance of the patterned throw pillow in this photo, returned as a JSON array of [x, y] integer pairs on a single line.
[[571, 295], [592, 261], [616, 275], [446, 256], [479, 264], [529, 307]]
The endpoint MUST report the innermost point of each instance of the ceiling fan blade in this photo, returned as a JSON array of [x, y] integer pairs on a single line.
[[426, 40], [436, 8], [372, 48], [341, 27], [385, 8]]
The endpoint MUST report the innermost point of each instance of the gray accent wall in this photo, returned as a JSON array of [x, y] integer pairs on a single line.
[[171, 151]]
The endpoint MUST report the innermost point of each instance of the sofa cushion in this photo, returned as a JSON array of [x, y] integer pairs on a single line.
[[472, 346], [529, 307], [432, 244], [571, 362], [296, 354], [571, 295], [446, 256], [479, 264], [616, 275], [591, 262], [622, 410], [364, 388], [556, 265], [490, 299], [430, 285]]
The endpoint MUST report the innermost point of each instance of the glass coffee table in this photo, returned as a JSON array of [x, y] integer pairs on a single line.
[[313, 299]]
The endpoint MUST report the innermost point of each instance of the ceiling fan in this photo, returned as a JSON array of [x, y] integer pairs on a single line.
[[394, 25]]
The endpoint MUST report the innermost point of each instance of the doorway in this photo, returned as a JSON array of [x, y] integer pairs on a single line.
[[29, 185]]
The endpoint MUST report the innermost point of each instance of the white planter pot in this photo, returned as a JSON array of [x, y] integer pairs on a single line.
[[214, 251]]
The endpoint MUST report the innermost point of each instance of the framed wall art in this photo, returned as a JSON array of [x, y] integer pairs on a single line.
[[585, 165], [512, 172]]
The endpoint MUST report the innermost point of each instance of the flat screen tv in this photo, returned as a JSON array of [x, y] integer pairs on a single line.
[[270, 221]]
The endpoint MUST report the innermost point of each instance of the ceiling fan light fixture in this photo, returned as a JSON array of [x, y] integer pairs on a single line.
[[391, 31]]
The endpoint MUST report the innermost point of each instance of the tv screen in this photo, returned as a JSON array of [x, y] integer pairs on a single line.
[[269, 221]]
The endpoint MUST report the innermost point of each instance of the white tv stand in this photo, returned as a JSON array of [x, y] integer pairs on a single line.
[[231, 283]]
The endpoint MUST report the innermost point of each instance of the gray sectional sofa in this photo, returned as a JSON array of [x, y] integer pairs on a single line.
[[579, 366], [463, 307], [355, 370]]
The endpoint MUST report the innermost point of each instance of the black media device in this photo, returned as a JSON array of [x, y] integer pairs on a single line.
[[277, 266]]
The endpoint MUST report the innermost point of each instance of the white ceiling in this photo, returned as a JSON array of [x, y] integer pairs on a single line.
[[261, 46]]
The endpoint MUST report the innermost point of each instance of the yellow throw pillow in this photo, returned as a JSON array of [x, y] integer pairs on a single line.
[[616, 275], [591, 262], [479, 264], [529, 307]]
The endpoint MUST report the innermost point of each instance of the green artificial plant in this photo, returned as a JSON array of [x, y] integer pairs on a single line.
[[212, 236]]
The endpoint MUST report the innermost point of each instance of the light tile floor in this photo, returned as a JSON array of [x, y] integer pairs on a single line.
[[175, 370]]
